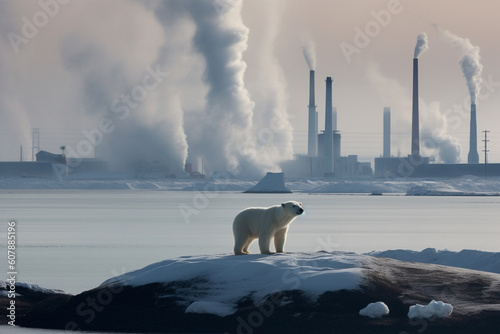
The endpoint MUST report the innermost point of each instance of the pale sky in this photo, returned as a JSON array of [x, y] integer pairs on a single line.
[[65, 76]]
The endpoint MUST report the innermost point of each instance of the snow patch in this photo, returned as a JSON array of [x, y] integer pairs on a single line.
[[215, 308], [224, 279], [32, 287], [375, 310], [433, 309]]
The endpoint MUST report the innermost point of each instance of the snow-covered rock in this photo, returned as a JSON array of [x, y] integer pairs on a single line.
[[271, 183], [287, 293], [433, 309], [226, 279], [375, 310]]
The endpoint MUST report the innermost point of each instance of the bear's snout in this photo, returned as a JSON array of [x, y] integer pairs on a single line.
[[300, 211]]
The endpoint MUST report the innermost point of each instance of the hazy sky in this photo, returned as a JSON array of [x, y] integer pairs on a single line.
[[226, 81]]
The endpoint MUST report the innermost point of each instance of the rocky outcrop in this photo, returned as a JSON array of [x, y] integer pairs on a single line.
[[120, 305]]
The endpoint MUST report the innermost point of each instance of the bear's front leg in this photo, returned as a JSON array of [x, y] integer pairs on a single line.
[[279, 240], [264, 242]]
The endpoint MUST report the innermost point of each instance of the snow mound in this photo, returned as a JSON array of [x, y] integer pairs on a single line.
[[433, 309], [222, 280], [375, 310], [467, 259], [271, 183]]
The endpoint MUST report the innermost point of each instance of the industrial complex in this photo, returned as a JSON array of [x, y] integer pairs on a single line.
[[323, 159]]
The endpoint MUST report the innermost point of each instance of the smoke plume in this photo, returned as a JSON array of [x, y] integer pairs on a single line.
[[309, 51], [103, 89], [470, 62], [422, 44], [434, 136]]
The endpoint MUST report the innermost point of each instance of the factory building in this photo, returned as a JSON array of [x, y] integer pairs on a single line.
[[324, 157]]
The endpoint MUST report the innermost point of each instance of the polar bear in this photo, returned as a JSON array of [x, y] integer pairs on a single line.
[[264, 224]]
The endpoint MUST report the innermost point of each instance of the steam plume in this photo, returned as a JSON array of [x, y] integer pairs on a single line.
[[221, 38], [434, 135], [470, 62], [422, 44], [81, 70], [309, 51], [201, 108]]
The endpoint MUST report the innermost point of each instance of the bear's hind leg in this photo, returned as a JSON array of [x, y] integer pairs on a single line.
[[247, 244], [241, 246]]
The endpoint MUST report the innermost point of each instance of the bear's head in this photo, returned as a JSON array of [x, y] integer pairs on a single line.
[[292, 207]]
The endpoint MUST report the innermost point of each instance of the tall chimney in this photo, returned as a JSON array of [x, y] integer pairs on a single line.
[[387, 132], [473, 157], [334, 119], [328, 129], [312, 144], [415, 135]]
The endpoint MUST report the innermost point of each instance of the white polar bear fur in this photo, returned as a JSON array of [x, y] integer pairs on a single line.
[[264, 224]]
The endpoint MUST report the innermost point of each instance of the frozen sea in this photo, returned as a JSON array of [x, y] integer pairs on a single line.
[[74, 240]]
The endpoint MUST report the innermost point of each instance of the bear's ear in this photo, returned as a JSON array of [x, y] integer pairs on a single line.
[[300, 203], [282, 205]]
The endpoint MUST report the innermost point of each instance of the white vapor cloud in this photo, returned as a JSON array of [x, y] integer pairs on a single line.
[[75, 73], [422, 45], [470, 62]]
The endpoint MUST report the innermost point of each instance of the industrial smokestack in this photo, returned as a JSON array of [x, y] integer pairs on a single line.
[[387, 132], [312, 147], [328, 129], [334, 119], [473, 157], [336, 153], [415, 134]]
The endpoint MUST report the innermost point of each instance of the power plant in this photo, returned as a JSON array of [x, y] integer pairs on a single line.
[[417, 166], [324, 157]]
